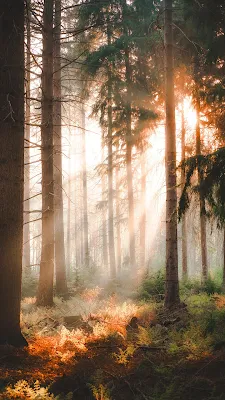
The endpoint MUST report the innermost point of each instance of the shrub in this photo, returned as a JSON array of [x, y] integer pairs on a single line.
[[153, 286]]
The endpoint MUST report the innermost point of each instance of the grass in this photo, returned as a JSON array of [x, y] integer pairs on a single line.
[[131, 350]]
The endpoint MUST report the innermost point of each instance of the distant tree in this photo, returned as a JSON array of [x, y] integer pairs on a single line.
[[11, 168]]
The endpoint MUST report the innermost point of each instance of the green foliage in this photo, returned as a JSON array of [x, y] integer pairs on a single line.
[[123, 356], [153, 286], [195, 286], [29, 284], [211, 187]]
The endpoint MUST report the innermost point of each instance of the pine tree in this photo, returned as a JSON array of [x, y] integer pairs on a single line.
[[11, 168], [45, 288], [172, 284]]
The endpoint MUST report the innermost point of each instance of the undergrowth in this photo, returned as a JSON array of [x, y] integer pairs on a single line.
[[137, 340]]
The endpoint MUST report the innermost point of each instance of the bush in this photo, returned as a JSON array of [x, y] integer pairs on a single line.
[[153, 286]]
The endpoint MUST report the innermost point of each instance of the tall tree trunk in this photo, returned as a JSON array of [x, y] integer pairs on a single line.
[[60, 263], [11, 168], [26, 228], [104, 227], [184, 222], [45, 288], [81, 225], [202, 203], [129, 146], [118, 234], [68, 233], [112, 257], [143, 211], [85, 193], [172, 284]]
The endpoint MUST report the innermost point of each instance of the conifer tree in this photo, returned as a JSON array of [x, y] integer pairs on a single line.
[[11, 168], [45, 288]]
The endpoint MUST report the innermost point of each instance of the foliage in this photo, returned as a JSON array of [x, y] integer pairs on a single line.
[[124, 356], [195, 286], [22, 390], [153, 286], [211, 187]]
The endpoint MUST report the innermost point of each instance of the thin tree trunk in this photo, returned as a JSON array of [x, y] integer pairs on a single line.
[[112, 257], [26, 228], [202, 203], [45, 288], [172, 284], [11, 168], [104, 227], [184, 222], [118, 234], [85, 193], [143, 211], [81, 227], [68, 233], [129, 146], [60, 262]]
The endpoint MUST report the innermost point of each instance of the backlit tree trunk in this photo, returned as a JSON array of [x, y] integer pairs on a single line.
[[172, 285], [129, 146], [202, 203], [112, 258], [45, 288], [68, 231], [11, 168], [104, 227], [85, 193], [118, 234], [60, 263], [143, 211], [184, 222]]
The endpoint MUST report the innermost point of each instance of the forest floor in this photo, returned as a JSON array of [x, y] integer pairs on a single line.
[[104, 348]]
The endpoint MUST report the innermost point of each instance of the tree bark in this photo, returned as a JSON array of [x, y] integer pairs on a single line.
[[84, 184], [68, 233], [118, 234], [26, 227], [112, 257], [202, 203], [143, 212], [45, 288], [172, 284], [104, 227], [129, 146], [11, 168], [184, 222], [60, 262]]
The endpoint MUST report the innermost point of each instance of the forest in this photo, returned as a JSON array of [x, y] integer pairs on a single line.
[[112, 199]]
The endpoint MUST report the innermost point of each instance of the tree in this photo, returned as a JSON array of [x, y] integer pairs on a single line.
[[201, 200], [132, 99], [60, 263], [112, 257], [45, 288], [26, 229], [172, 284], [184, 222], [84, 186], [11, 168]]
